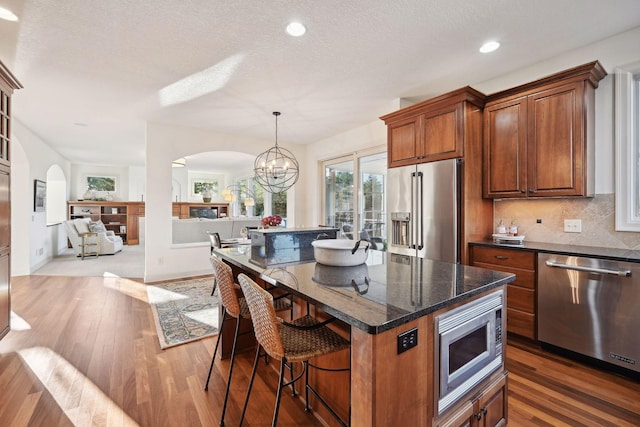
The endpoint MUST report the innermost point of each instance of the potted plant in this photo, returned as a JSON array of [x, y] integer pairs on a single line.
[[207, 191]]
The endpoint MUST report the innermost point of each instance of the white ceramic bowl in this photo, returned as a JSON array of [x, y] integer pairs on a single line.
[[337, 252]]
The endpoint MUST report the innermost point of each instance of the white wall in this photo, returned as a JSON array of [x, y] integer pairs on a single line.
[[163, 259], [43, 242], [136, 184], [78, 182]]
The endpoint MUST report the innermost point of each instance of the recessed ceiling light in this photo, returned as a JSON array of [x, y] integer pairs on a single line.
[[489, 47], [7, 14], [296, 29]]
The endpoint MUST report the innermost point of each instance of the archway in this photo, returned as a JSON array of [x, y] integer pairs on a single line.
[[56, 201]]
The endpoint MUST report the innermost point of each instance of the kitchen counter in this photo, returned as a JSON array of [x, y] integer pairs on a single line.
[[387, 385], [615, 254], [398, 291]]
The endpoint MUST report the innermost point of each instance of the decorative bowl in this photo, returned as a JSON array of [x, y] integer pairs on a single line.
[[340, 252]]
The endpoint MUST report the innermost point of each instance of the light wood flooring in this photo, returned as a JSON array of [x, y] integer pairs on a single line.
[[84, 351]]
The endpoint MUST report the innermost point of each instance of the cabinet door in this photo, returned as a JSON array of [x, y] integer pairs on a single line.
[[555, 142], [463, 417], [505, 149], [492, 404], [443, 132], [403, 142]]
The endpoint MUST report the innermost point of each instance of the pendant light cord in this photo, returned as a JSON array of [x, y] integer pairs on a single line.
[[276, 113]]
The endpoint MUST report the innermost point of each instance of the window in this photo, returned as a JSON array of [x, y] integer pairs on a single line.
[[354, 196], [339, 201], [627, 142]]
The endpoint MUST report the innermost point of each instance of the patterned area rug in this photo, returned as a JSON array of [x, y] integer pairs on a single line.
[[184, 311]]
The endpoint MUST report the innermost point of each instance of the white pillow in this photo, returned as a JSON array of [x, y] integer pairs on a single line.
[[82, 225], [97, 227]]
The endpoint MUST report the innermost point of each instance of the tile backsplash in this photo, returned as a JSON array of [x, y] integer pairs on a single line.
[[597, 215]]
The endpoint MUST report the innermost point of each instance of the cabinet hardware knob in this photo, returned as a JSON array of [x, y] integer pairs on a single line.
[[531, 190], [523, 191], [484, 410], [479, 416], [501, 257]]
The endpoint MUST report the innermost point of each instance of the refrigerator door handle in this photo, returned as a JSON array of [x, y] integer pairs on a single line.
[[412, 236], [420, 219]]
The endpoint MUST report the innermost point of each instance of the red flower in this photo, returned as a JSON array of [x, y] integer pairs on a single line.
[[271, 221]]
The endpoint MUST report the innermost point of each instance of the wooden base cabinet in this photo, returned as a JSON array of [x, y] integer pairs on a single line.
[[486, 409], [521, 294], [185, 210]]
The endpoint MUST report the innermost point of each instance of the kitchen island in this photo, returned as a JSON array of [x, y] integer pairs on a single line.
[[392, 373]]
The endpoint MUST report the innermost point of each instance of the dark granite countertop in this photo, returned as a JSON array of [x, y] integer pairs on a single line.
[[615, 254], [398, 290]]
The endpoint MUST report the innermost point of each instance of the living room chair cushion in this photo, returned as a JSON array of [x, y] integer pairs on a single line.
[[82, 225]]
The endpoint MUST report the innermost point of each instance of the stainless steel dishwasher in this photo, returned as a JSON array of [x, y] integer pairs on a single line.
[[590, 306]]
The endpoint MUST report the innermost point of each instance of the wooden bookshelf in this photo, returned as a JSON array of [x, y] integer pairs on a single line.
[[119, 217]]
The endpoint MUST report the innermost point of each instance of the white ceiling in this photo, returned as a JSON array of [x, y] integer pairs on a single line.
[[95, 71]]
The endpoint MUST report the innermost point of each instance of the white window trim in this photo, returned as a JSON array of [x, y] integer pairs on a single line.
[[627, 203], [357, 196]]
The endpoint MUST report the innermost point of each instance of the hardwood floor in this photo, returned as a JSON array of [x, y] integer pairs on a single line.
[[85, 352]]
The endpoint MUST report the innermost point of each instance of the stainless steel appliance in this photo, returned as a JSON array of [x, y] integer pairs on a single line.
[[424, 205], [468, 347], [590, 306]]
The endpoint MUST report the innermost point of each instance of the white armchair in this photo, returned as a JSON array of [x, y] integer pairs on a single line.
[[108, 242]]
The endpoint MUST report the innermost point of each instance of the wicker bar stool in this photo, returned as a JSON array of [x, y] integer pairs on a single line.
[[234, 307], [298, 341]]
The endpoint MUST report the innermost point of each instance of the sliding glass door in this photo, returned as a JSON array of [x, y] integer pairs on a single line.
[[354, 196]]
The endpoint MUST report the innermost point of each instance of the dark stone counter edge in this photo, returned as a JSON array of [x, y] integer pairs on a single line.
[[371, 329], [613, 254], [431, 309]]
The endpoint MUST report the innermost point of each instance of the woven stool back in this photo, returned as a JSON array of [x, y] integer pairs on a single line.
[[263, 316], [224, 277]]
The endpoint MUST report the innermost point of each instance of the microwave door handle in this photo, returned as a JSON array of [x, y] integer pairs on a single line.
[[622, 273], [420, 234]]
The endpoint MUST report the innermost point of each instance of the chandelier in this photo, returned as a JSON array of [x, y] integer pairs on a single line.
[[277, 169]]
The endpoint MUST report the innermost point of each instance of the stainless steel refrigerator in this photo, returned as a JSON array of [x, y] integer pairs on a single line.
[[423, 202]]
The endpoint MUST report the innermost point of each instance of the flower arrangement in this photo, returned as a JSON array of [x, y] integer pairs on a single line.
[[271, 221]]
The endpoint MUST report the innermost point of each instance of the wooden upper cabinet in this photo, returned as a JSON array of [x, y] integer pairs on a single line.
[[8, 83], [556, 144], [539, 137], [431, 130], [442, 133], [505, 155], [403, 141]]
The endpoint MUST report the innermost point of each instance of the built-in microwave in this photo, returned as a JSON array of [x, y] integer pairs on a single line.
[[468, 347]]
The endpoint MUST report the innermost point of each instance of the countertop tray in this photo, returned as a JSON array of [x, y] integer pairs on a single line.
[[506, 239]]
